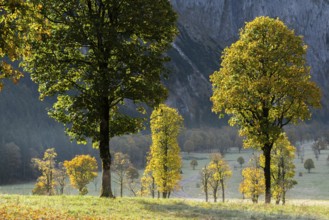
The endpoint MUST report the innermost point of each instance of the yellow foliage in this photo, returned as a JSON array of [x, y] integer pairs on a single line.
[[45, 184], [264, 82], [253, 184], [164, 161], [81, 170]]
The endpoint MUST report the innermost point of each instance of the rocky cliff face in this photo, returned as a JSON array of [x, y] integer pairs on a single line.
[[208, 26]]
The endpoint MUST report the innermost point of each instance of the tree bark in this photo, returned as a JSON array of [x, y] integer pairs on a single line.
[[267, 172], [104, 150], [121, 187], [215, 194], [206, 188], [223, 190], [153, 187], [164, 195]]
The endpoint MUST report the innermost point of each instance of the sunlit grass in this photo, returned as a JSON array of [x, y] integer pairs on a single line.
[[90, 207]]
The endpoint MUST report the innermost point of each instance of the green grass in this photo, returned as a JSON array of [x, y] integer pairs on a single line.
[[91, 207]]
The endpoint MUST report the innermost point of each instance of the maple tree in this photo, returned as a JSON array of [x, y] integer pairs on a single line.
[[282, 168], [47, 166], [264, 84], [164, 161], [219, 173], [120, 166], [97, 57], [81, 170], [18, 23]]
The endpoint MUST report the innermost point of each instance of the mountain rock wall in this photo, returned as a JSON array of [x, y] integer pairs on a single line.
[[208, 26]]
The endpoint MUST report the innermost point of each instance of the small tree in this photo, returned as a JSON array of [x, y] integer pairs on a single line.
[[240, 161], [132, 176], [194, 163], [82, 169], [121, 163], [60, 177], [164, 162], [282, 168], [264, 84], [253, 183], [309, 164], [46, 182], [189, 146], [205, 175], [220, 172]]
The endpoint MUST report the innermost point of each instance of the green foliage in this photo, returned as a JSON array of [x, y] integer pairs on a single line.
[[309, 164], [164, 160], [264, 84], [14, 29], [98, 58], [91, 56], [82, 169], [45, 184], [240, 161]]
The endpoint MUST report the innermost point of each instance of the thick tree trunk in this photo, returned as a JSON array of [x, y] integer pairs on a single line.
[[164, 195], [104, 150], [267, 172], [283, 197]]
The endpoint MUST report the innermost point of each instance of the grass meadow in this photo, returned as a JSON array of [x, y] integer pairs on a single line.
[[90, 207]]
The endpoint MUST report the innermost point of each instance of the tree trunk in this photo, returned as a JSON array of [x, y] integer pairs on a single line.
[[267, 172], [164, 195], [104, 149], [153, 187], [121, 187], [283, 197], [206, 191], [223, 190], [215, 194]]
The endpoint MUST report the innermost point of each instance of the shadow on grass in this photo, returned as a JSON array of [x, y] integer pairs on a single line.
[[211, 211]]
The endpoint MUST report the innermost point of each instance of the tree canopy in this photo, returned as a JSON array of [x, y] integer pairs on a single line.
[[81, 170], [264, 84], [97, 57], [164, 161], [16, 26]]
